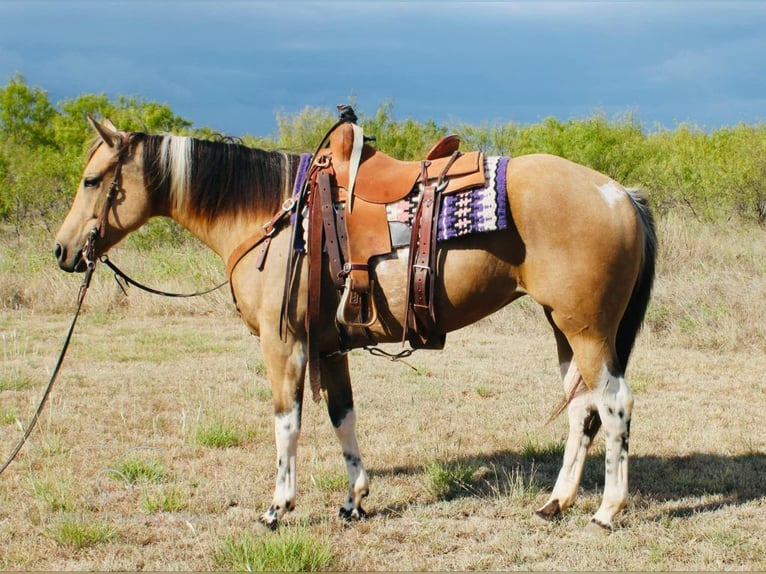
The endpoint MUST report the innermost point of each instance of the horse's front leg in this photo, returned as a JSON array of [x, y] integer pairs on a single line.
[[340, 406], [286, 368]]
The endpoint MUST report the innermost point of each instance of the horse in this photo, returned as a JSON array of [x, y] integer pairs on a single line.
[[578, 243]]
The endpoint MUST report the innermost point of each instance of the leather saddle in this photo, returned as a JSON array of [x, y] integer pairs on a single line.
[[358, 181], [384, 179]]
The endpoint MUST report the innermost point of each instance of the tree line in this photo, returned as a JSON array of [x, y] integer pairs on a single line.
[[717, 174]]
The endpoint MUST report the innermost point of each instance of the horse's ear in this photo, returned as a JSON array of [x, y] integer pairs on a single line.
[[107, 132], [108, 124]]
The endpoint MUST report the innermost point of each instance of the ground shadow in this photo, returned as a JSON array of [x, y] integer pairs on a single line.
[[733, 480]]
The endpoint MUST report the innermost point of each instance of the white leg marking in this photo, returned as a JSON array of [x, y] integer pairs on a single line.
[[287, 430], [358, 482], [583, 425], [581, 432], [615, 404]]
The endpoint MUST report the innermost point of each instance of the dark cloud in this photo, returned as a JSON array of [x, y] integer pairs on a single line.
[[233, 64]]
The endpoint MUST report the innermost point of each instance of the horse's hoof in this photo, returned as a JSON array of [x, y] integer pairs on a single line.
[[595, 528], [268, 524], [550, 511], [352, 515]]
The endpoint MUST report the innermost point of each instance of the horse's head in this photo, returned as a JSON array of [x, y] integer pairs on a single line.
[[111, 200]]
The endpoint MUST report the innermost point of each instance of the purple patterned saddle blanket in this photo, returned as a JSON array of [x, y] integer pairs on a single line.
[[476, 210]]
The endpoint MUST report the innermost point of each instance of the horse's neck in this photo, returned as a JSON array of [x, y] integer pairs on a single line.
[[221, 234], [238, 210]]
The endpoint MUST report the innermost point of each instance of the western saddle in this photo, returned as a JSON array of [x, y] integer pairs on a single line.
[[349, 185]]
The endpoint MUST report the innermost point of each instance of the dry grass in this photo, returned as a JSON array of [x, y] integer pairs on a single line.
[[145, 375]]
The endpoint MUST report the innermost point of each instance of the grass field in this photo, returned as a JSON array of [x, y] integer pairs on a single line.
[[156, 449]]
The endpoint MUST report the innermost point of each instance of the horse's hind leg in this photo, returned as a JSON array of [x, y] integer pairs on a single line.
[[597, 395], [608, 401], [584, 423], [615, 404], [340, 406]]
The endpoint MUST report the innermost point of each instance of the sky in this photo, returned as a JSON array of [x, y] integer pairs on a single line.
[[234, 65]]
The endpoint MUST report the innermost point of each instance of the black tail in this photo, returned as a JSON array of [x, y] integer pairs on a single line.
[[633, 318]]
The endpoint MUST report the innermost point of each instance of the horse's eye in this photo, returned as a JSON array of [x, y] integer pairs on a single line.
[[91, 181]]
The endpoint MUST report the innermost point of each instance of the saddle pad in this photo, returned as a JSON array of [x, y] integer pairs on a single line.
[[475, 210]]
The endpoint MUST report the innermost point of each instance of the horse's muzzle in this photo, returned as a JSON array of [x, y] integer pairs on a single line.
[[76, 264]]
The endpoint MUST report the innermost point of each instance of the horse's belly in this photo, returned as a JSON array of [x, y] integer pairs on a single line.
[[474, 279]]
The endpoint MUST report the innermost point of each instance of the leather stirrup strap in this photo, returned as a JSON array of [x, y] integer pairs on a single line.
[[413, 252], [422, 271], [313, 311], [422, 265], [331, 239]]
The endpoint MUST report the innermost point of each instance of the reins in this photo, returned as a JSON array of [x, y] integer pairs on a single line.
[[89, 255], [120, 274], [80, 298]]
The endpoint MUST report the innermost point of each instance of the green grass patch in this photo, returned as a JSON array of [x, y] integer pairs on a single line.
[[135, 469], [14, 355], [80, 533], [517, 484], [335, 482], [262, 394], [260, 368], [14, 380], [218, 434], [286, 551], [52, 496], [7, 415], [168, 499], [485, 392], [535, 450], [446, 479]]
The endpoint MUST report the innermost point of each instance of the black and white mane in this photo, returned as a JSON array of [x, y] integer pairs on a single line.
[[215, 178]]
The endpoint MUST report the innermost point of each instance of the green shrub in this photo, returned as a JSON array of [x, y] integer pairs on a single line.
[[715, 174]]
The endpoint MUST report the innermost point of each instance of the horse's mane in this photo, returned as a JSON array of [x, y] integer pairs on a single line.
[[215, 178]]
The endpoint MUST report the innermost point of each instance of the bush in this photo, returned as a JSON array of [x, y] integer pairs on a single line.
[[714, 175]]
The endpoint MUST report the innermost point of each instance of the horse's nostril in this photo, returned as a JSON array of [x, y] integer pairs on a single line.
[[58, 251]]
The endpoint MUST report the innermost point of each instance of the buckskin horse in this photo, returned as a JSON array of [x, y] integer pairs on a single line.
[[577, 242]]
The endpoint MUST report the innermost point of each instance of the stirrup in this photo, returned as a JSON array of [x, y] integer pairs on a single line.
[[355, 306]]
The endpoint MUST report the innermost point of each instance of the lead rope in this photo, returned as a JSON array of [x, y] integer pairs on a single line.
[[89, 255], [80, 298]]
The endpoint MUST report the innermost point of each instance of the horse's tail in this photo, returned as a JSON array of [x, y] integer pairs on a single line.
[[633, 318]]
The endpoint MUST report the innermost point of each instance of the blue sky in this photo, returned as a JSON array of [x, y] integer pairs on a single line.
[[232, 65]]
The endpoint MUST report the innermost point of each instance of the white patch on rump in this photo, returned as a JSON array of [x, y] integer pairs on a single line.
[[611, 192]]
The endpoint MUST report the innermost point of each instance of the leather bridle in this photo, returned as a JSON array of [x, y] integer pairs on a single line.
[[99, 230]]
